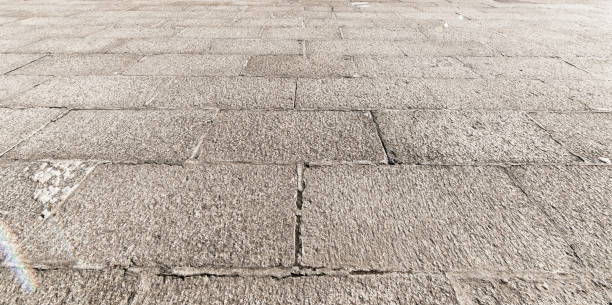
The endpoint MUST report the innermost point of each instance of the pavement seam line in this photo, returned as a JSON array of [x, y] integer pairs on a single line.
[[390, 160]]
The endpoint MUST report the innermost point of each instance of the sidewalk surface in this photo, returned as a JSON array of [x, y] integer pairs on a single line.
[[305, 152]]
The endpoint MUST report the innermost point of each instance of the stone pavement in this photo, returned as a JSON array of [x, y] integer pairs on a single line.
[[305, 152]]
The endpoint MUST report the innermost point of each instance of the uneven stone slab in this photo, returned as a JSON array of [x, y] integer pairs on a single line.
[[288, 136], [382, 33], [445, 48], [220, 32], [126, 135], [465, 137], [596, 94], [68, 286], [80, 64], [256, 46], [226, 92], [599, 67], [300, 66], [425, 218], [438, 67], [163, 45], [17, 124], [9, 62], [124, 32], [524, 67], [190, 216], [13, 84], [528, 289], [70, 45], [91, 92], [363, 93], [301, 33], [578, 199], [353, 47], [585, 134], [385, 289], [189, 65]]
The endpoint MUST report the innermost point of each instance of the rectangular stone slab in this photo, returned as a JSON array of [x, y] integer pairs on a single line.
[[425, 218], [80, 64], [18, 124], [9, 62], [189, 65]]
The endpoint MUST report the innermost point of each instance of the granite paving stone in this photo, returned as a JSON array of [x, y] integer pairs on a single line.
[[300, 66], [80, 64], [18, 124], [189, 65], [11, 85], [524, 67], [426, 67], [219, 32], [162, 45], [69, 45], [10, 62], [256, 46]]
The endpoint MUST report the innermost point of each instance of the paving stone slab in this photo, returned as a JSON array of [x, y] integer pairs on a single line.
[[9, 62], [382, 33], [189, 65], [428, 67], [596, 94], [353, 47], [100, 92], [162, 46], [35, 33], [226, 92], [424, 218], [301, 33], [118, 135], [445, 48], [189, 214], [465, 137], [70, 45], [578, 199], [80, 64], [287, 136], [300, 66], [363, 93], [384, 289], [11, 85], [18, 124], [600, 68], [585, 134], [220, 32], [524, 67], [256, 46], [528, 289], [136, 32], [68, 286]]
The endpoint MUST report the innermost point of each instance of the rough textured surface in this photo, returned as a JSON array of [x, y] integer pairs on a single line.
[[113, 135], [90, 64], [17, 125], [14, 84], [425, 218], [10, 62], [281, 136], [189, 65]]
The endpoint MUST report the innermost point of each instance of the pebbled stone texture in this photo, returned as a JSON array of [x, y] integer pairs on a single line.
[[17, 125]]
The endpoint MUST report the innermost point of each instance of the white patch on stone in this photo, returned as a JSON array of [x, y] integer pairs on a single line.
[[58, 179], [604, 160], [360, 4]]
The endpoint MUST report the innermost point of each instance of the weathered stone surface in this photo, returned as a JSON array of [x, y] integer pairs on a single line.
[[124, 32], [11, 85], [287, 136], [524, 67], [70, 65], [578, 199], [585, 134], [596, 94], [106, 92], [68, 286], [352, 47], [425, 218], [162, 45], [189, 65], [363, 93], [125, 135], [382, 33], [300, 66], [256, 46], [445, 48], [464, 137], [385, 289], [189, 214], [220, 32], [70, 45], [301, 33], [226, 92], [9, 62], [598, 67], [438, 67], [18, 124], [528, 289]]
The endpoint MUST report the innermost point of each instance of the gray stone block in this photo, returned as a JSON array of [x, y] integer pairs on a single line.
[[18, 124], [300, 66], [163, 45], [353, 47], [70, 45], [9, 62], [256, 47], [219, 32], [524, 67], [428, 67], [70, 65], [11, 85], [189, 65]]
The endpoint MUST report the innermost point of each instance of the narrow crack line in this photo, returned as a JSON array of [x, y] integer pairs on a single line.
[[452, 284], [164, 84], [390, 160], [295, 92], [554, 139], [28, 63], [76, 187], [298, 214], [195, 153], [571, 64]]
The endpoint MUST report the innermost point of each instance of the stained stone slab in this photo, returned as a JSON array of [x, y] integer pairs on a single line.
[[163, 45], [384, 289], [585, 134], [288, 136], [363, 93], [226, 92], [466, 137], [80, 64], [17, 124], [524, 67], [126, 135], [91, 92], [9, 62], [528, 289], [190, 216], [499, 94], [68, 286], [256, 46], [300, 66], [189, 65], [425, 218], [13, 84], [428, 67], [578, 199]]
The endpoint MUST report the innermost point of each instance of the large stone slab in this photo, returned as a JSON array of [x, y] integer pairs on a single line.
[[83, 64], [579, 200], [11, 85], [288, 136], [189, 65], [162, 45], [585, 134], [300, 66], [126, 135], [427, 67], [425, 218], [524, 67], [18, 124], [70, 45], [219, 32], [353, 47], [9, 62], [596, 94], [256, 46], [195, 215], [465, 137]]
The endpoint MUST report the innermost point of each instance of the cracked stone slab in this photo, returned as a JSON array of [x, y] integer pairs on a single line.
[[464, 137], [162, 45], [300, 66], [190, 216], [110, 92], [79, 64], [18, 124], [427, 67], [226, 92], [288, 136], [300, 33], [384, 289], [596, 94], [601, 68], [500, 288], [126, 135], [363, 93], [585, 134], [189, 65], [9, 62], [579, 200], [425, 218], [68, 286], [524, 67], [10, 85]]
